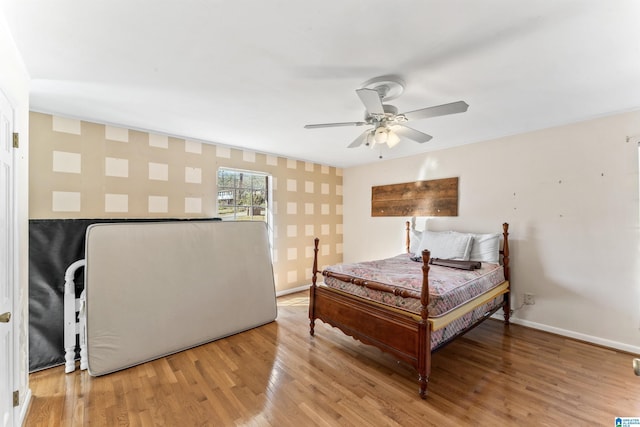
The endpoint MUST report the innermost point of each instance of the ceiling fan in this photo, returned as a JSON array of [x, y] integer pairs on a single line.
[[389, 125]]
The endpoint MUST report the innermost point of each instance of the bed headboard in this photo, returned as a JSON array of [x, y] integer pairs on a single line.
[[504, 251]]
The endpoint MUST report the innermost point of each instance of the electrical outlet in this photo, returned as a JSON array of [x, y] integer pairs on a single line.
[[529, 299]]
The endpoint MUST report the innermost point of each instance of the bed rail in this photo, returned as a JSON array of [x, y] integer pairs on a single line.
[[74, 320]]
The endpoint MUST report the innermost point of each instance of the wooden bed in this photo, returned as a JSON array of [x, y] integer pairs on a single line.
[[404, 334]]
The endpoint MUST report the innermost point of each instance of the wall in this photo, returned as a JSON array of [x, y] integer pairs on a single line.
[[14, 82], [570, 195], [88, 170]]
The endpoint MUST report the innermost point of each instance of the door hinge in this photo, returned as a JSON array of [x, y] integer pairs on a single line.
[[16, 398], [16, 140]]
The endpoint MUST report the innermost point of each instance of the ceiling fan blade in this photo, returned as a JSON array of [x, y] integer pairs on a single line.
[[333, 125], [359, 140], [410, 133], [371, 100], [438, 110]]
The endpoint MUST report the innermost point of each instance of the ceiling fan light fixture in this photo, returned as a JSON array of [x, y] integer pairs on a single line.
[[392, 139], [380, 135]]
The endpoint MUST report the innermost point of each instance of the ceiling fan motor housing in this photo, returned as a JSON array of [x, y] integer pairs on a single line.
[[389, 112]]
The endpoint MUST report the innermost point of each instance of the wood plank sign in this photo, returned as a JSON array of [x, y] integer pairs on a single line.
[[436, 197]]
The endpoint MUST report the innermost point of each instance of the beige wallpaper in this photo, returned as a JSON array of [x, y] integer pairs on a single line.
[[80, 169]]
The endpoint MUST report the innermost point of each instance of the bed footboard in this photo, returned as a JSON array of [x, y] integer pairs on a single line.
[[401, 334], [390, 331]]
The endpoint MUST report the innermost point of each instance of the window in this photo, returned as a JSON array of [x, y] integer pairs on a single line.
[[242, 195]]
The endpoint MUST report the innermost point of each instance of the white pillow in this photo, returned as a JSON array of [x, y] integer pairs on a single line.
[[415, 237], [446, 244], [485, 248]]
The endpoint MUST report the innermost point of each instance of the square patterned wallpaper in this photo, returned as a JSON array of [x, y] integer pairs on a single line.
[[80, 169]]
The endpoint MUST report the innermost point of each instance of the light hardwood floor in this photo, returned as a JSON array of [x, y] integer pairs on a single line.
[[277, 375]]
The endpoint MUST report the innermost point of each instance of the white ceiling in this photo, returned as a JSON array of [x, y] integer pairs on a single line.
[[251, 73]]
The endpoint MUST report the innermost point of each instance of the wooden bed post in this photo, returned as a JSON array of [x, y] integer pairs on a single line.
[[407, 238], [424, 327], [312, 290], [505, 262]]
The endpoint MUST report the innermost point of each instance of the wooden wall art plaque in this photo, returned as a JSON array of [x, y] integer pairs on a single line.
[[437, 197]]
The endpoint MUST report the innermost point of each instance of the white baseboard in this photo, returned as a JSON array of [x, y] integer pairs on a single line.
[[577, 335], [292, 291]]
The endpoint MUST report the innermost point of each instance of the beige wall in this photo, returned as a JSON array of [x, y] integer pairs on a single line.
[[571, 197], [88, 170]]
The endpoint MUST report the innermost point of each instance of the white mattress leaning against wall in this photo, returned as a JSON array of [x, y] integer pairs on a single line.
[[154, 289]]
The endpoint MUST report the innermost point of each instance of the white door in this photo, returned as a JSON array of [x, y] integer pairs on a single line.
[[7, 245]]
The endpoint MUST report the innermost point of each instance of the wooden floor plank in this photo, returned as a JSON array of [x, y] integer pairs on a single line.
[[277, 375]]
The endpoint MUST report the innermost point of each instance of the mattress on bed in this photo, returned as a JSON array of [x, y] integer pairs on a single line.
[[448, 287]]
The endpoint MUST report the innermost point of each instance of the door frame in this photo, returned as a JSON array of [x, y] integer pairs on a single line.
[[12, 268]]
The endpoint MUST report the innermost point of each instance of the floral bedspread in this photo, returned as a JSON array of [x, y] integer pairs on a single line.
[[448, 287]]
